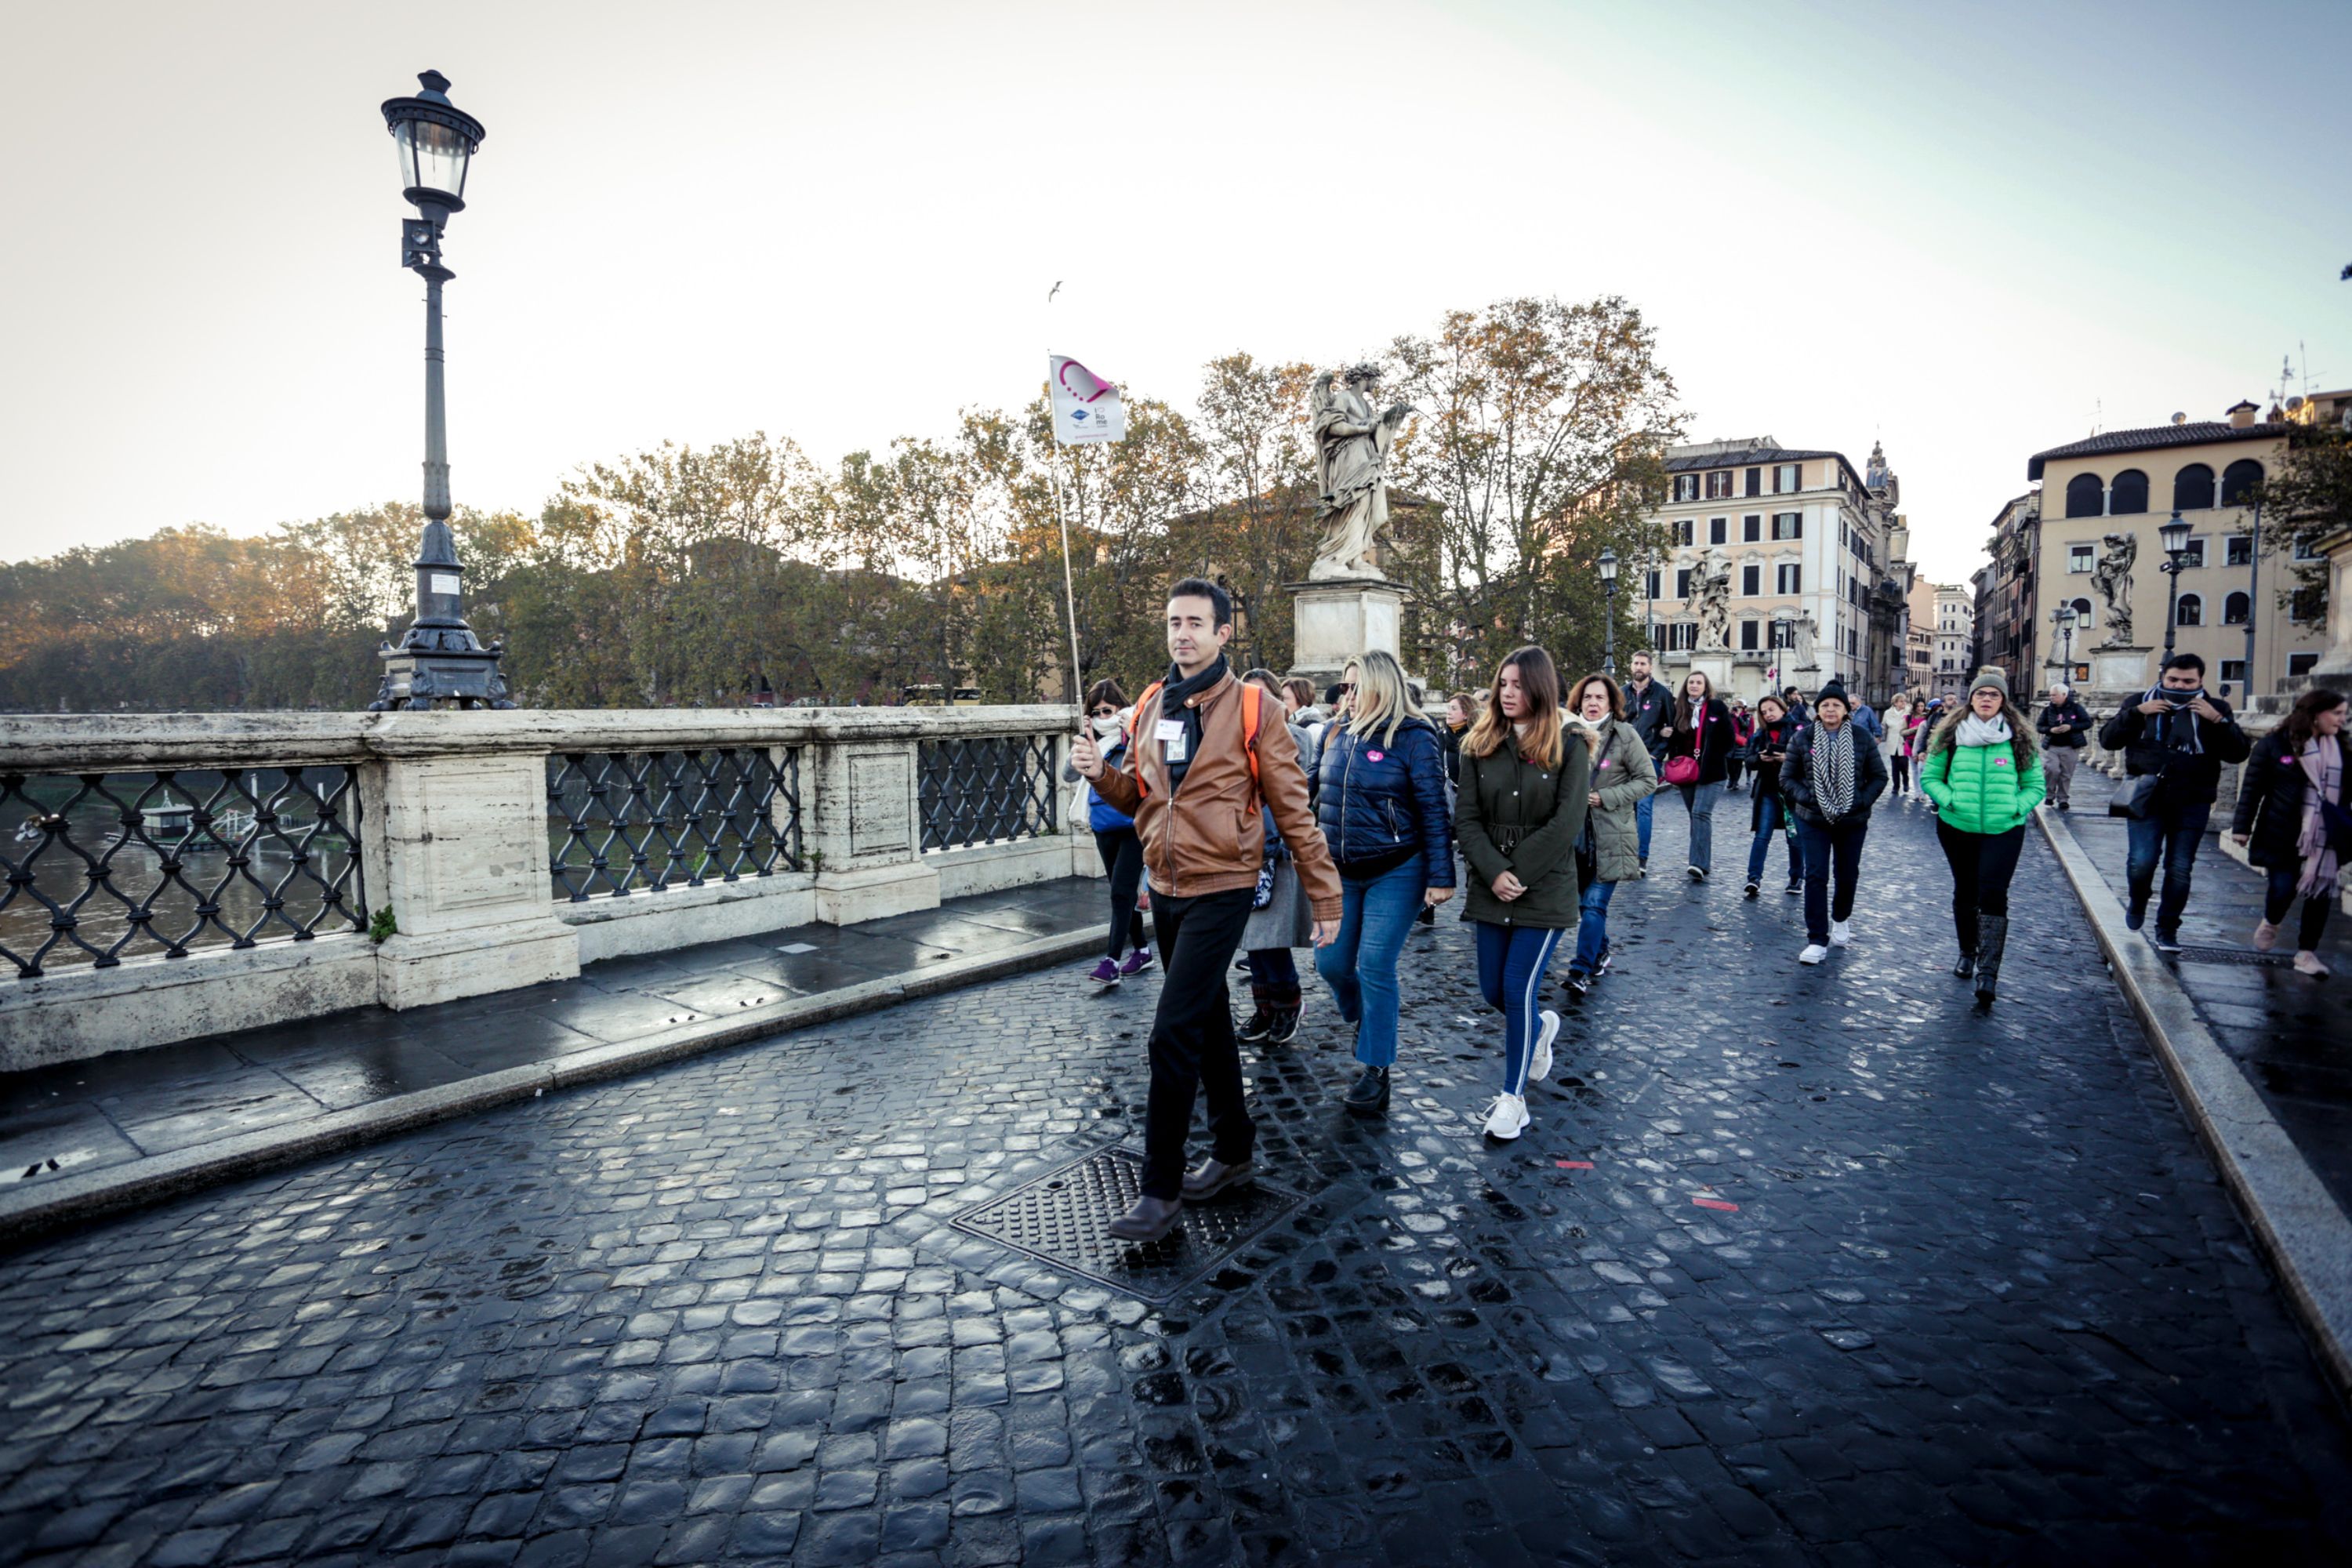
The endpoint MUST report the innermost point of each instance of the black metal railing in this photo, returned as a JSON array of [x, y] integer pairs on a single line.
[[988, 789], [623, 822], [102, 866]]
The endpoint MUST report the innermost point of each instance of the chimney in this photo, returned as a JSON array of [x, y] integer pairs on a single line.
[[2241, 413]]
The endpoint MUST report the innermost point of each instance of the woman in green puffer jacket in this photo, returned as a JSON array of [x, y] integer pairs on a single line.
[[1983, 772]]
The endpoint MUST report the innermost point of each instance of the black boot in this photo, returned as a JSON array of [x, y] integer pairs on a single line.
[[1370, 1094], [1965, 967], [1992, 935]]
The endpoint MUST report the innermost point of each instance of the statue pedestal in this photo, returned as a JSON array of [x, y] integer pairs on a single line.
[[1336, 620], [1715, 664], [2120, 669]]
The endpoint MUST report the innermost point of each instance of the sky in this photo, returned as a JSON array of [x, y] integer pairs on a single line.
[[1970, 231]]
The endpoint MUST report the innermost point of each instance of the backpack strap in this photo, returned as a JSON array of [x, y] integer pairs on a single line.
[[1150, 695], [1252, 707]]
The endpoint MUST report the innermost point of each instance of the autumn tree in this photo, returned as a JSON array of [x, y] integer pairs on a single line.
[[2307, 498]]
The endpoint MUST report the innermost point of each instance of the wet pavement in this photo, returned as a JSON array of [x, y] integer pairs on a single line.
[[2290, 1032], [114, 1111], [1794, 1266]]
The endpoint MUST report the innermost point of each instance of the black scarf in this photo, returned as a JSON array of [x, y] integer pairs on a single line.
[[2176, 730], [1173, 695]]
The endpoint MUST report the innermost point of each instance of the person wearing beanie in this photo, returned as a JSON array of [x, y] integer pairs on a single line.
[[1830, 778], [1984, 775]]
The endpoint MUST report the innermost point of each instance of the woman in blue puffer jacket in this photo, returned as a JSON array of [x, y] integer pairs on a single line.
[[1381, 802], [1115, 841]]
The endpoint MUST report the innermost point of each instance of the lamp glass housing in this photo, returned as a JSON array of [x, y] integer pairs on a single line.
[[2174, 535], [432, 157], [1608, 564]]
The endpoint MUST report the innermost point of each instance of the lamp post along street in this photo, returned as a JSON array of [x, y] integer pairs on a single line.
[[1608, 564], [2174, 538], [439, 662]]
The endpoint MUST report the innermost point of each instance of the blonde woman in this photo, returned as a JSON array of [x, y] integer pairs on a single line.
[[1381, 802]]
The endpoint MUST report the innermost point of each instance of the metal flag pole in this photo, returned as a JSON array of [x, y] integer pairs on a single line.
[[1062, 520]]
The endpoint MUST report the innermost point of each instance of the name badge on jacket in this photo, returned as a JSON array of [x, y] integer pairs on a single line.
[[1171, 740]]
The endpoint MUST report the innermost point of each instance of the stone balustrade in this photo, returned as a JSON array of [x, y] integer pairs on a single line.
[[176, 875]]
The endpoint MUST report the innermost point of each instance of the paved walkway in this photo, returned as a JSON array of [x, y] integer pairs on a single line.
[[2292, 1034], [139, 1122], [1795, 1265]]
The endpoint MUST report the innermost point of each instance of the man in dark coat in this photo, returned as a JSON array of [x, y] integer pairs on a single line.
[[1650, 708], [2181, 736], [2065, 726]]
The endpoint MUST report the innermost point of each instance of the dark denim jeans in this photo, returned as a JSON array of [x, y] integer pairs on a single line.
[[1829, 848], [1643, 808], [1592, 927], [2278, 897], [1773, 814], [1360, 966], [2170, 834]]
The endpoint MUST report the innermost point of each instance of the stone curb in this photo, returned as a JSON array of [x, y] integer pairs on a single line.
[[52, 1206], [2296, 1223]]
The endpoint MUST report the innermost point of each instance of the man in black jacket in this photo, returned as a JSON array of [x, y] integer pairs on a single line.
[[1650, 708], [2179, 736], [2065, 726]]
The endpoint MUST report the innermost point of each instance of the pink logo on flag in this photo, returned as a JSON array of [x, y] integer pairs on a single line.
[[1081, 383]]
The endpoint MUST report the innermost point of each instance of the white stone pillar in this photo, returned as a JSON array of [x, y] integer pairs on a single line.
[[863, 821]]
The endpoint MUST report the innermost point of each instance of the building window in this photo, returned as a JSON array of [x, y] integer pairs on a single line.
[[1686, 487], [2195, 554], [1747, 633], [1789, 578], [1685, 635], [2080, 557], [2237, 610], [2190, 613], [1784, 635], [2238, 550], [1650, 586], [1751, 529], [1788, 479], [1685, 531], [1718, 531], [2128, 494], [1657, 638], [2238, 482], [2302, 604], [2233, 673], [2302, 663], [2192, 488], [2305, 551], [1788, 525], [2083, 614], [1682, 583], [1755, 481], [2086, 496]]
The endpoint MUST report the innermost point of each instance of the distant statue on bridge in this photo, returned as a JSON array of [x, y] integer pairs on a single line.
[[1351, 454], [2112, 577]]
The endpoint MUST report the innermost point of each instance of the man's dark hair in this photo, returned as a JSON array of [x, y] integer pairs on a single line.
[[1331, 695], [2185, 661], [1221, 602]]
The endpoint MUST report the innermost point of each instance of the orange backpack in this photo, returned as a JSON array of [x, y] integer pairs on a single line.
[[1253, 701]]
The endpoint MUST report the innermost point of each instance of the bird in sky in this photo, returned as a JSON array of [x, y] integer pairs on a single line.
[[1053, 291]]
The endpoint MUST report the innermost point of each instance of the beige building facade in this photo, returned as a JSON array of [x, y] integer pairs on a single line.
[[1954, 633], [2123, 485]]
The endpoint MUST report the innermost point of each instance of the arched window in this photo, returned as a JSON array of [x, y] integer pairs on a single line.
[[2081, 614], [2237, 610], [2192, 488], [2238, 482], [2086, 496], [2128, 494], [2192, 612]]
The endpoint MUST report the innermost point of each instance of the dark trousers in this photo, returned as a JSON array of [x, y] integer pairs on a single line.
[[2169, 833], [1982, 864], [1829, 848], [1273, 978], [1192, 1046], [1902, 770], [2279, 896], [1122, 859], [1732, 771]]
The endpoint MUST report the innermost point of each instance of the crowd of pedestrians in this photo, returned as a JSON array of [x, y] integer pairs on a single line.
[[1249, 814]]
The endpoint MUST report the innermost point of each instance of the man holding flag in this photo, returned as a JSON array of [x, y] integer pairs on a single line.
[[1199, 765]]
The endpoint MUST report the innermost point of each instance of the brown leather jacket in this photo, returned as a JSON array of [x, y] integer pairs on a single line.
[[1209, 837]]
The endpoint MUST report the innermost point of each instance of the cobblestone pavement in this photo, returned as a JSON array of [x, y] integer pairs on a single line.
[[1852, 1276]]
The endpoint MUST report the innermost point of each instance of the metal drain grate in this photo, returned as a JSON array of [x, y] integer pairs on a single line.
[[2244, 955], [1058, 1218]]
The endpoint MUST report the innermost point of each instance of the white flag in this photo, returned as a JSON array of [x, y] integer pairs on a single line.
[[1086, 407]]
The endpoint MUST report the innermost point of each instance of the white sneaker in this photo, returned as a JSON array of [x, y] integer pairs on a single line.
[[1539, 1061], [1509, 1118], [1814, 953], [1841, 933]]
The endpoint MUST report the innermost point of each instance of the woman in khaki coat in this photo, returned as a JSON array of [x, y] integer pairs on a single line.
[[1623, 776]]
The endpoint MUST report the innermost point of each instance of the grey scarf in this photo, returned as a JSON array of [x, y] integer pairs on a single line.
[[1833, 769]]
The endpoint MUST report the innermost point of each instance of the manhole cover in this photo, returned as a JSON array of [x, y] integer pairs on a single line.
[[2234, 955], [1058, 1218]]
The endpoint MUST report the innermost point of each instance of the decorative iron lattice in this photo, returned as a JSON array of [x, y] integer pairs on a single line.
[[988, 789], [623, 822], [102, 866]]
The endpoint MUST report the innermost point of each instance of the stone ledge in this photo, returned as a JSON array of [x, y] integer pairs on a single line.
[[58, 1204], [2295, 1223]]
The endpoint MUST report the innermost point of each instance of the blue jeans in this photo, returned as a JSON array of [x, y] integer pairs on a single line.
[[1361, 965], [1699, 801], [1591, 928], [2171, 834], [1642, 810], [1511, 965], [1274, 976], [1772, 813]]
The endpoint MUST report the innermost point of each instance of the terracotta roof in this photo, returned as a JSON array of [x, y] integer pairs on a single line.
[[2196, 432]]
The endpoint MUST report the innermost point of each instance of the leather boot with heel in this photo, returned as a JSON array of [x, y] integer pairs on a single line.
[[1992, 936]]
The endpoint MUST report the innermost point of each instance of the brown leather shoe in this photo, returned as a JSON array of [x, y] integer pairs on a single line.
[[1210, 1177], [1149, 1220]]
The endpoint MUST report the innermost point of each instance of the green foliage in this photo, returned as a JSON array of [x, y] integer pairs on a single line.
[[704, 576], [383, 925], [2307, 498]]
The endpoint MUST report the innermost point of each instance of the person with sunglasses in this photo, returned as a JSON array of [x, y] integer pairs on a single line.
[[1115, 841]]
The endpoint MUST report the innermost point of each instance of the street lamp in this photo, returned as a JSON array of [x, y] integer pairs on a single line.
[[439, 662], [2063, 618], [1608, 564], [1782, 627], [2174, 539]]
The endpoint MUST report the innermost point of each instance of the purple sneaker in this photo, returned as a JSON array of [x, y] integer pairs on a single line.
[[1137, 963], [1105, 972]]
